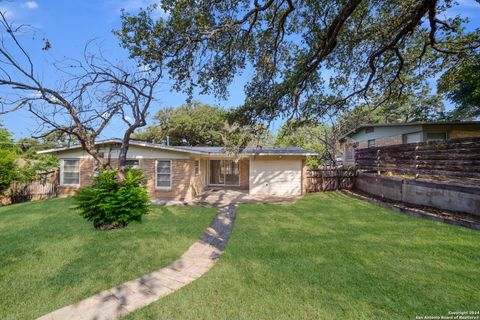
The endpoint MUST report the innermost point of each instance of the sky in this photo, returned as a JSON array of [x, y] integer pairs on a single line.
[[70, 24]]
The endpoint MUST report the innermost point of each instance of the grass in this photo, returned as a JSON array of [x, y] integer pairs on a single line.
[[330, 256], [51, 257]]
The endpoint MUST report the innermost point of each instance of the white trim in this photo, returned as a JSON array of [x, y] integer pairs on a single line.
[[195, 167], [169, 188], [133, 143], [62, 164]]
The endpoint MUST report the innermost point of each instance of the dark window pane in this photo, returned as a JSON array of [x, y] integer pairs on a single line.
[[131, 163]]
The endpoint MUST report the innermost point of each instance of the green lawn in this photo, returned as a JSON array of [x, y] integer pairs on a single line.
[[330, 256], [50, 257]]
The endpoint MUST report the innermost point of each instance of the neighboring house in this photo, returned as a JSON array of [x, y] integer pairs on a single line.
[[176, 172], [372, 135]]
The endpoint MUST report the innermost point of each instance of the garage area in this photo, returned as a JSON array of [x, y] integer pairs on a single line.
[[275, 176]]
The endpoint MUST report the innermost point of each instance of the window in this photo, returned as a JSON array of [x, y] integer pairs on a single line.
[[369, 129], [371, 143], [164, 174], [432, 136], [70, 174], [412, 137], [132, 163], [224, 172], [197, 167]]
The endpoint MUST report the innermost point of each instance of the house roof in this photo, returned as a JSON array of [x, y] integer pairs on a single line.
[[417, 123], [198, 150]]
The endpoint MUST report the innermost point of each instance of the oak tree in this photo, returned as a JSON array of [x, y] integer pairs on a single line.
[[307, 58]]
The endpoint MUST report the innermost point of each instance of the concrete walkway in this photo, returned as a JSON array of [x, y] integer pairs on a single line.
[[138, 293]]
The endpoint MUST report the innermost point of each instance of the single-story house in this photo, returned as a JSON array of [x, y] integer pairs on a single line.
[[178, 172], [383, 134]]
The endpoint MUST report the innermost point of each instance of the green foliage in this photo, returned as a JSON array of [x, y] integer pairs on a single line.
[[198, 124], [110, 203], [35, 169], [330, 256], [19, 160], [417, 105], [191, 124], [461, 85], [315, 137], [8, 159], [36, 166], [8, 169], [304, 58], [76, 261]]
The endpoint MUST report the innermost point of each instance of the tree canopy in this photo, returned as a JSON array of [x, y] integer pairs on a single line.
[[198, 124], [310, 136], [308, 58], [461, 85], [8, 165], [191, 124]]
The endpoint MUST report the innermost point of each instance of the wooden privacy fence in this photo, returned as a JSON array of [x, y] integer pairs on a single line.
[[458, 158], [34, 190], [327, 179]]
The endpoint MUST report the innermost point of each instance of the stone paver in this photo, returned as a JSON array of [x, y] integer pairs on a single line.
[[129, 296]]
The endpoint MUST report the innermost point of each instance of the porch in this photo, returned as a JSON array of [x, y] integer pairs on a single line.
[[222, 196]]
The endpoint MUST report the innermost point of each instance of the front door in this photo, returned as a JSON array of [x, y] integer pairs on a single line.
[[224, 172]]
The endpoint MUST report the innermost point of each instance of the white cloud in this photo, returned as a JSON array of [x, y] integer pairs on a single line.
[[31, 5]]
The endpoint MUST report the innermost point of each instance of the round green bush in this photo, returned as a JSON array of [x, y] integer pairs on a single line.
[[8, 169], [109, 203]]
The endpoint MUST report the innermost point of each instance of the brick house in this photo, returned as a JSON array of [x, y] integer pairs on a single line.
[[177, 172], [371, 135]]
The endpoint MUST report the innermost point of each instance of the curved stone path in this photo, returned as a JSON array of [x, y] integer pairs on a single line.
[[138, 293]]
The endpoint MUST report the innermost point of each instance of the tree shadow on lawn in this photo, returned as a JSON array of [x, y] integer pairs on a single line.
[[360, 255], [82, 261]]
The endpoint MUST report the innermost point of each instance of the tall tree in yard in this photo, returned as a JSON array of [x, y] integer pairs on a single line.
[[319, 138], [191, 124], [309, 58], [93, 92], [461, 85]]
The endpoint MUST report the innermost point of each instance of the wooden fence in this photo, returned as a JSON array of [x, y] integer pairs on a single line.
[[35, 190], [455, 158], [327, 179]]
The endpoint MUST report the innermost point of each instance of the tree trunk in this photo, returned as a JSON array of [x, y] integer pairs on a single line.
[[122, 155]]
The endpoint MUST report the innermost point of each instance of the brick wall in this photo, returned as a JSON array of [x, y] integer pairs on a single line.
[[86, 178], [185, 184], [244, 173], [198, 181], [183, 179]]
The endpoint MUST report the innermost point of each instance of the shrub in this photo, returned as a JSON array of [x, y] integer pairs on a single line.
[[109, 203], [8, 169]]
